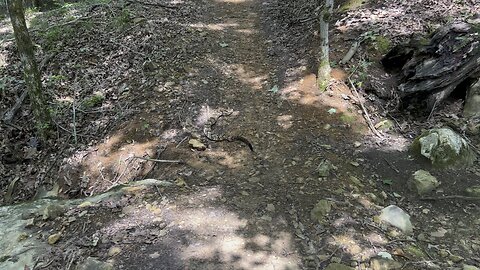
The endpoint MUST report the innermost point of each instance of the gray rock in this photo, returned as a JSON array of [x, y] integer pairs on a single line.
[[444, 148], [324, 168], [379, 263], [423, 182], [321, 210], [396, 217], [470, 267], [93, 264], [473, 191], [472, 101], [338, 266]]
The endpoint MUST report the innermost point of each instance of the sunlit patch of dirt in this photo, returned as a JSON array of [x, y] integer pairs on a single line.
[[247, 75], [285, 121], [111, 162]]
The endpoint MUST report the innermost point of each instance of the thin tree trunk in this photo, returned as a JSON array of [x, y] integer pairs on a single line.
[[30, 69], [323, 76]]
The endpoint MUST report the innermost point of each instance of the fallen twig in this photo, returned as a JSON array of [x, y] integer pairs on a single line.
[[152, 4], [450, 197], [160, 160], [11, 113], [365, 112], [350, 53], [391, 165]]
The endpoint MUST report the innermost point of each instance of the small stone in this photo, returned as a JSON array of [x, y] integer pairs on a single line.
[[270, 207], [384, 264], [470, 267], [321, 210], [324, 168], [354, 163], [327, 126], [338, 266], [85, 205], [30, 222], [52, 239], [357, 144], [439, 233], [396, 217], [244, 193], [114, 251], [22, 236], [455, 258], [154, 255], [52, 211], [197, 145], [473, 191], [423, 182], [92, 263]]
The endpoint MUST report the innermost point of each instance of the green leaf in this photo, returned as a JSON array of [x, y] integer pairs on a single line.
[[387, 182], [274, 89], [332, 111]]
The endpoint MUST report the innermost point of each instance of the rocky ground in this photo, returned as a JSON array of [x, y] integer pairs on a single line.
[[143, 78]]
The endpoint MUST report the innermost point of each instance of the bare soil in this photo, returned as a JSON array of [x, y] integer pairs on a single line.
[[163, 72]]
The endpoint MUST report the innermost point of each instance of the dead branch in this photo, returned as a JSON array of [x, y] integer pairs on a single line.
[[365, 112], [451, 197], [350, 53], [152, 4], [11, 113], [160, 160]]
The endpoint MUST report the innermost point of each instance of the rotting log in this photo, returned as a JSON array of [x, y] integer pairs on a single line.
[[433, 68]]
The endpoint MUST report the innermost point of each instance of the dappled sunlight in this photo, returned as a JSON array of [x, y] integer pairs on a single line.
[[354, 243], [214, 26], [228, 160], [303, 91], [232, 1], [285, 121], [230, 247], [253, 78]]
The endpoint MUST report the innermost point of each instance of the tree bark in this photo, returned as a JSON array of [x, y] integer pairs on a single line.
[[323, 76], [30, 69]]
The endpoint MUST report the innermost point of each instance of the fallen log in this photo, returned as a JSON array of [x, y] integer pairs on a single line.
[[433, 68]]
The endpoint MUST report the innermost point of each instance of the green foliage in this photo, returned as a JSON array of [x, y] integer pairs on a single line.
[[56, 34], [377, 43], [123, 19], [382, 44], [348, 118], [93, 101], [352, 4]]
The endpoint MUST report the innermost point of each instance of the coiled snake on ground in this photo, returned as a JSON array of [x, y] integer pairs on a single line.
[[209, 134]]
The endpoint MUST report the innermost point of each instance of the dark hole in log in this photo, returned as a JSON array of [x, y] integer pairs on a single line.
[[460, 91]]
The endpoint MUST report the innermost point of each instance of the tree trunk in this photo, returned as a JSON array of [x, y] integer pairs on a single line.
[[30, 69], [323, 76]]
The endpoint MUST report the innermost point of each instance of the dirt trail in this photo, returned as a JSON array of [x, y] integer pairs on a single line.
[[231, 208]]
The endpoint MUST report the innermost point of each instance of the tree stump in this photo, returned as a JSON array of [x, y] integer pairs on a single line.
[[433, 68]]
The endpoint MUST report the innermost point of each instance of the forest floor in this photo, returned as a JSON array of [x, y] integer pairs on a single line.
[[134, 80]]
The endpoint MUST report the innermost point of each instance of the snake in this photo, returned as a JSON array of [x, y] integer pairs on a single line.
[[212, 136]]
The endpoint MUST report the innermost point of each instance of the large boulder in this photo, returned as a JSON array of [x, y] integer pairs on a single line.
[[444, 148]]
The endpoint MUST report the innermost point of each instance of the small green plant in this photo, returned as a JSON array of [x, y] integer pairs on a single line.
[[93, 101], [56, 34], [123, 19], [382, 44]]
